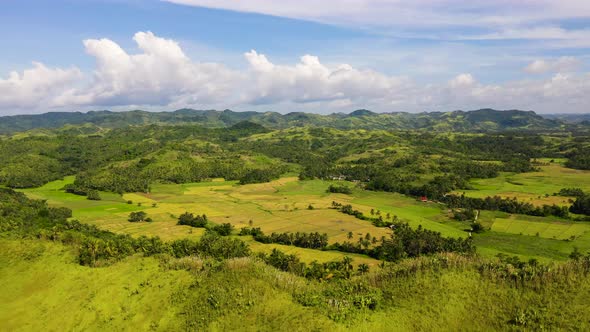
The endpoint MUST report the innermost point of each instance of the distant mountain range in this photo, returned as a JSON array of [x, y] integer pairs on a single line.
[[483, 120], [570, 118]]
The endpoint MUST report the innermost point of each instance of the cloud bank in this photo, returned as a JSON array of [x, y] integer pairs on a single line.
[[161, 75]]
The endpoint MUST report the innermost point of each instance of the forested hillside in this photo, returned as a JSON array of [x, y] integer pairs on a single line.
[[484, 120]]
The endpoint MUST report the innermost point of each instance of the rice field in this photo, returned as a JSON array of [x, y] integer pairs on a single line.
[[534, 187], [283, 206]]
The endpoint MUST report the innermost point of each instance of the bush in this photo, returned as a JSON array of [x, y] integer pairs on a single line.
[[93, 195], [339, 189], [189, 219], [581, 205], [137, 216], [224, 229], [466, 214], [477, 227]]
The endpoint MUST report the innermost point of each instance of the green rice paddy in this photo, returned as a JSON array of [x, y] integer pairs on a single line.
[[282, 206]]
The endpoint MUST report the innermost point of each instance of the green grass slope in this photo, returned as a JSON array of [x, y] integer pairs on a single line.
[[45, 290]]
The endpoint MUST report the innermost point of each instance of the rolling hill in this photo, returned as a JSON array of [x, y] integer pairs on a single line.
[[483, 120]]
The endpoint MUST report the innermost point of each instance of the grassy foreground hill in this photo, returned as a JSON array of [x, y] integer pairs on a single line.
[[45, 289]]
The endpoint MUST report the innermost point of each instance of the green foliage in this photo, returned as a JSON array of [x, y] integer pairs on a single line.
[[579, 158], [93, 195], [137, 216], [477, 227], [486, 120], [581, 205], [348, 209], [313, 240], [576, 192], [189, 219], [224, 229], [407, 242], [32, 218], [510, 205], [261, 175], [342, 189], [463, 215]]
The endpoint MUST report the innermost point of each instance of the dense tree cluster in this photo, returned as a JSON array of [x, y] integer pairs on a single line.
[[127, 160], [224, 229], [190, 219], [261, 175], [93, 195], [408, 242], [468, 169], [579, 158], [339, 189], [509, 205], [341, 269], [575, 192], [313, 240], [581, 205], [76, 190], [139, 216]]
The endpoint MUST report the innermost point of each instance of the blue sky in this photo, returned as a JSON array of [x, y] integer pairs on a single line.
[[328, 56]]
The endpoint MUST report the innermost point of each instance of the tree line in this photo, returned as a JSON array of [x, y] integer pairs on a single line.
[[408, 242], [508, 205], [313, 240]]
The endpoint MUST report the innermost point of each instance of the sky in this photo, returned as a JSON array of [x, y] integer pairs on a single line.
[[294, 55]]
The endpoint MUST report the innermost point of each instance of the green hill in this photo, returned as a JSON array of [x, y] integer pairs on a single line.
[[484, 120]]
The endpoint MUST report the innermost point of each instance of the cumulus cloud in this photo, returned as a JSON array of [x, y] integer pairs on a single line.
[[311, 81], [562, 64], [462, 80], [36, 86], [162, 75], [558, 94]]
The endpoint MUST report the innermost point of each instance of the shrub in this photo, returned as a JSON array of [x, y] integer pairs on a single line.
[[137, 216], [342, 189], [93, 195]]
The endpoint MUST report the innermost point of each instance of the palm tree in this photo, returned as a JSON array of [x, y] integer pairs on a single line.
[[347, 261], [363, 268]]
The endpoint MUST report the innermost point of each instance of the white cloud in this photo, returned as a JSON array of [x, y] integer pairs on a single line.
[[481, 13], [162, 75], [562, 64], [158, 76], [558, 94], [445, 20], [35, 86], [462, 80], [311, 81]]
